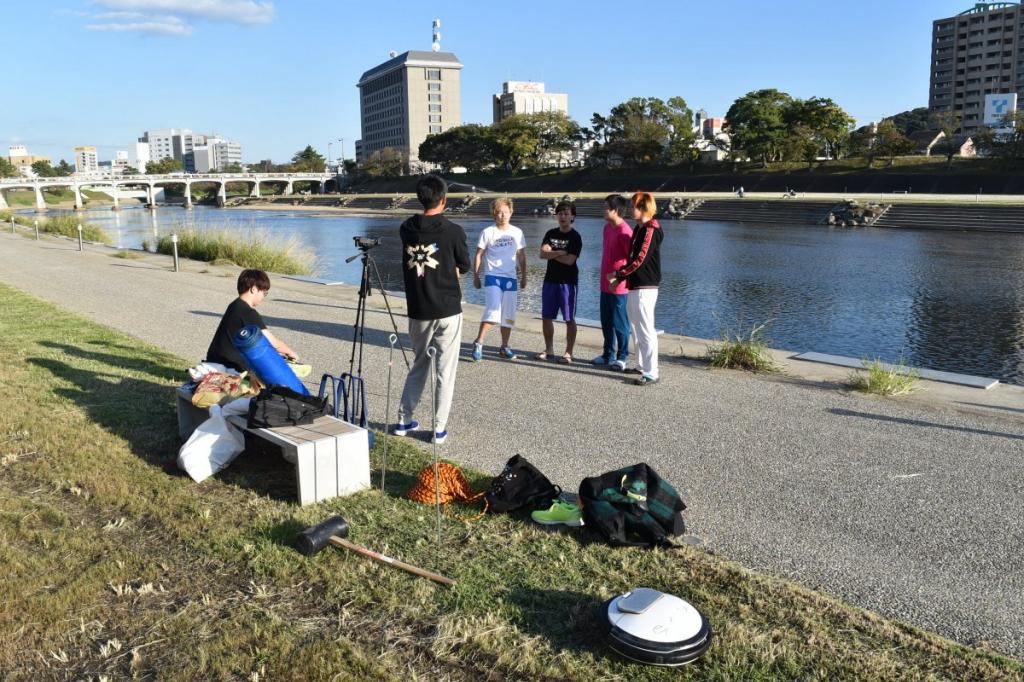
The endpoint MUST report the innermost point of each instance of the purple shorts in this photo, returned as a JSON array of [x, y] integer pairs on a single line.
[[557, 298]]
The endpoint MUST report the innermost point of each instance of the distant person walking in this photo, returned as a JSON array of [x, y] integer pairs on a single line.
[[561, 248], [500, 251], [642, 274], [434, 255], [616, 242]]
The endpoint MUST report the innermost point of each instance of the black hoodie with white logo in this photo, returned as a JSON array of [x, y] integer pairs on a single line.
[[432, 248]]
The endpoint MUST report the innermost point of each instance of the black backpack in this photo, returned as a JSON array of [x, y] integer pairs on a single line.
[[632, 507], [281, 406], [520, 485]]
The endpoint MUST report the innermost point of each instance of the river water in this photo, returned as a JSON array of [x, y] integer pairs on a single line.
[[950, 301]]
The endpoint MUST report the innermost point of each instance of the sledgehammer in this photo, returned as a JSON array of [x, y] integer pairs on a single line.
[[334, 531]]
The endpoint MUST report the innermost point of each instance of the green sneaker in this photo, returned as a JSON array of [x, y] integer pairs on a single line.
[[559, 512]]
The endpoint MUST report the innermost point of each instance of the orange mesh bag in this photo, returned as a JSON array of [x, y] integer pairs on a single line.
[[452, 486]]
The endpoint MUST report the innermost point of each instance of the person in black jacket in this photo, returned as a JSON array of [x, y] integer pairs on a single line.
[[434, 255], [253, 287], [642, 273]]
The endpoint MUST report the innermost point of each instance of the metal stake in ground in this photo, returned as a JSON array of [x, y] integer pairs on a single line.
[[432, 354], [392, 340], [80, 248]]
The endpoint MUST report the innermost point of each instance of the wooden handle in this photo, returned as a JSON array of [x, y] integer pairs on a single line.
[[376, 556]]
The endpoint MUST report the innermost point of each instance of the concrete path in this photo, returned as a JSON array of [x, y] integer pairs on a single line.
[[908, 509]]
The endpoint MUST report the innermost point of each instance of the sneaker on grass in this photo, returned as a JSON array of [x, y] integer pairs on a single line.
[[559, 512], [402, 429]]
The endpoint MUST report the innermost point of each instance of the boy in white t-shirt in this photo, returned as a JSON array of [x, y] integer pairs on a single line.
[[500, 251]]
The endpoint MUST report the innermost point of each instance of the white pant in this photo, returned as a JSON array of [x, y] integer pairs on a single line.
[[500, 306], [640, 307]]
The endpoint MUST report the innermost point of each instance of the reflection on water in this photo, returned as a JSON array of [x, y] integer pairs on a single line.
[[943, 300]]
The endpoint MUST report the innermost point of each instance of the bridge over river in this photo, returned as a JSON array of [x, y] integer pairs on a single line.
[[112, 183]]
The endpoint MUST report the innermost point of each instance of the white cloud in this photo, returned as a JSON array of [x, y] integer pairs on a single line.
[[234, 11], [168, 26]]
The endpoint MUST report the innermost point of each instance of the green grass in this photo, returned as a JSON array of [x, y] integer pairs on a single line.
[[246, 248], [742, 351], [876, 379], [126, 255], [114, 568], [64, 225]]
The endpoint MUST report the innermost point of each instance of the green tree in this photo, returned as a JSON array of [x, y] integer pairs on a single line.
[[912, 121], [163, 166], [471, 146], [803, 144], [1007, 146], [43, 169], [891, 142], [385, 163], [232, 168], [756, 122], [308, 161], [130, 170], [826, 123], [515, 140], [947, 123], [8, 169], [63, 169], [646, 130], [556, 133]]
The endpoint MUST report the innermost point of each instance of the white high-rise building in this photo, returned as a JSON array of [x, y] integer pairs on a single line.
[[527, 97], [215, 155], [171, 143], [138, 156]]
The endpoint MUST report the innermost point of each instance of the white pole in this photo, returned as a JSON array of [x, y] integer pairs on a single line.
[[80, 248], [174, 246]]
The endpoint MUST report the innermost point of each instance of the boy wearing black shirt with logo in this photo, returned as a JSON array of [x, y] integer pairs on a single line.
[[560, 248]]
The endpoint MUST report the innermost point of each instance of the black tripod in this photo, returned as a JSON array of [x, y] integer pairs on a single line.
[[353, 388]]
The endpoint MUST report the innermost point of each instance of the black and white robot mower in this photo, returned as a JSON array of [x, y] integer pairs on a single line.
[[652, 627]]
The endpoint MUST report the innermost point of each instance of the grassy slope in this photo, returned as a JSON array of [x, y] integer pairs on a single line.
[[114, 567]]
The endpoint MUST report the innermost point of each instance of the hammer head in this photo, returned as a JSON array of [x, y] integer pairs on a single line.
[[312, 540]]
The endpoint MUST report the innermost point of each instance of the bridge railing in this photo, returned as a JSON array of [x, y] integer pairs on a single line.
[[191, 177]]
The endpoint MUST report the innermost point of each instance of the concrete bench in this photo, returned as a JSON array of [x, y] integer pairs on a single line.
[[331, 456]]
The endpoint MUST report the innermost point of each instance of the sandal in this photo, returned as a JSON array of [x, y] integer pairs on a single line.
[[566, 359], [542, 356]]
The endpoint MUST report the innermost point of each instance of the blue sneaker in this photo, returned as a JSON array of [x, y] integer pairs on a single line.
[[600, 361], [478, 352], [506, 352], [402, 429], [440, 437]]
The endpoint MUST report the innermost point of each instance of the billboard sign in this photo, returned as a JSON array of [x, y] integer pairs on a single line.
[[997, 106]]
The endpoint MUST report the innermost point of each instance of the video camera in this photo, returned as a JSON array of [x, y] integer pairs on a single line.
[[366, 243]]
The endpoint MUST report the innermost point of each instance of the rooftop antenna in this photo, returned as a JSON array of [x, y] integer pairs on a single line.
[[436, 44], [392, 54]]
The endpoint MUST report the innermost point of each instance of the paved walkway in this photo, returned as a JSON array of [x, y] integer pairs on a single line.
[[908, 510]]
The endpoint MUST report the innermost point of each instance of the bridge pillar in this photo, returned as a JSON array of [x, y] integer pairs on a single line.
[[222, 194], [3, 199], [323, 186], [255, 189], [79, 204], [40, 204], [151, 197], [289, 188], [113, 194], [188, 194]]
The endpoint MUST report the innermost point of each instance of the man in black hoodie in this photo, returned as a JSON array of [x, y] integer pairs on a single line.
[[434, 255]]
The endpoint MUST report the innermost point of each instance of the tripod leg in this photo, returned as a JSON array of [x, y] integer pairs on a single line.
[[387, 305]]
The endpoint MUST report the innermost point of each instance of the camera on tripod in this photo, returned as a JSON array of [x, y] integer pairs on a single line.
[[366, 243]]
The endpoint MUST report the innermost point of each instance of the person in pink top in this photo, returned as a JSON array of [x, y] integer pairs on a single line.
[[618, 236]]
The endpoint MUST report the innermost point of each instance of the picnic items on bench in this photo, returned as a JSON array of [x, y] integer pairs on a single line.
[[281, 406], [218, 388], [264, 359], [214, 443]]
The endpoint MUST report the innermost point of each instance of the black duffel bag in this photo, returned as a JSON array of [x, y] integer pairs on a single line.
[[520, 485], [281, 406], [632, 507]]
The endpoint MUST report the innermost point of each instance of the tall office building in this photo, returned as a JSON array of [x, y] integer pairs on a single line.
[[527, 97], [86, 160], [406, 98], [215, 155], [172, 143], [978, 59], [18, 156]]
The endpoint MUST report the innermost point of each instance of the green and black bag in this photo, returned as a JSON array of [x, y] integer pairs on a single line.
[[632, 507]]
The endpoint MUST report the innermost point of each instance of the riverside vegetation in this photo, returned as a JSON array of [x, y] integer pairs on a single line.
[[743, 351], [114, 568], [64, 225], [893, 380], [246, 248]]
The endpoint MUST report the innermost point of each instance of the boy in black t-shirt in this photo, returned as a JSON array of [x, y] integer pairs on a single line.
[[560, 248], [253, 286]]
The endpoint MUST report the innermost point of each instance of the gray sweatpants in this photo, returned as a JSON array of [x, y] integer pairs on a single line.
[[445, 336]]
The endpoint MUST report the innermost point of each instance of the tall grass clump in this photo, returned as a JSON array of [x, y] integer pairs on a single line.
[[743, 351], [64, 225], [247, 248], [887, 380]]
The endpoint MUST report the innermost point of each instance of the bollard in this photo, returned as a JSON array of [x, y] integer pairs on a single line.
[[174, 246], [36, 225], [80, 248], [12, 224]]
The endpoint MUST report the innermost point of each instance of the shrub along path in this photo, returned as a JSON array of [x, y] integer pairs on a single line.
[[909, 511]]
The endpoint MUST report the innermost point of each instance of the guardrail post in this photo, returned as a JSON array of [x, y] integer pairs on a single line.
[[36, 224], [174, 247], [80, 248]]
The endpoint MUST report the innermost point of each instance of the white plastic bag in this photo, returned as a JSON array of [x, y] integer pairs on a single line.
[[211, 447], [203, 368]]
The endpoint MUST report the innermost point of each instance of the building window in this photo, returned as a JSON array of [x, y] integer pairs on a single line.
[[434, 87], [434, 108], [433, 74], [435, 129], [435, 118], [434, 97]]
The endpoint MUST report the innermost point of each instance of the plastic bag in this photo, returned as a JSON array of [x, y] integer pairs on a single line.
[[211, 447]]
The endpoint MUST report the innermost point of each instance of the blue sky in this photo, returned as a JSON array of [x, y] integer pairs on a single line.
[[275, 76]]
